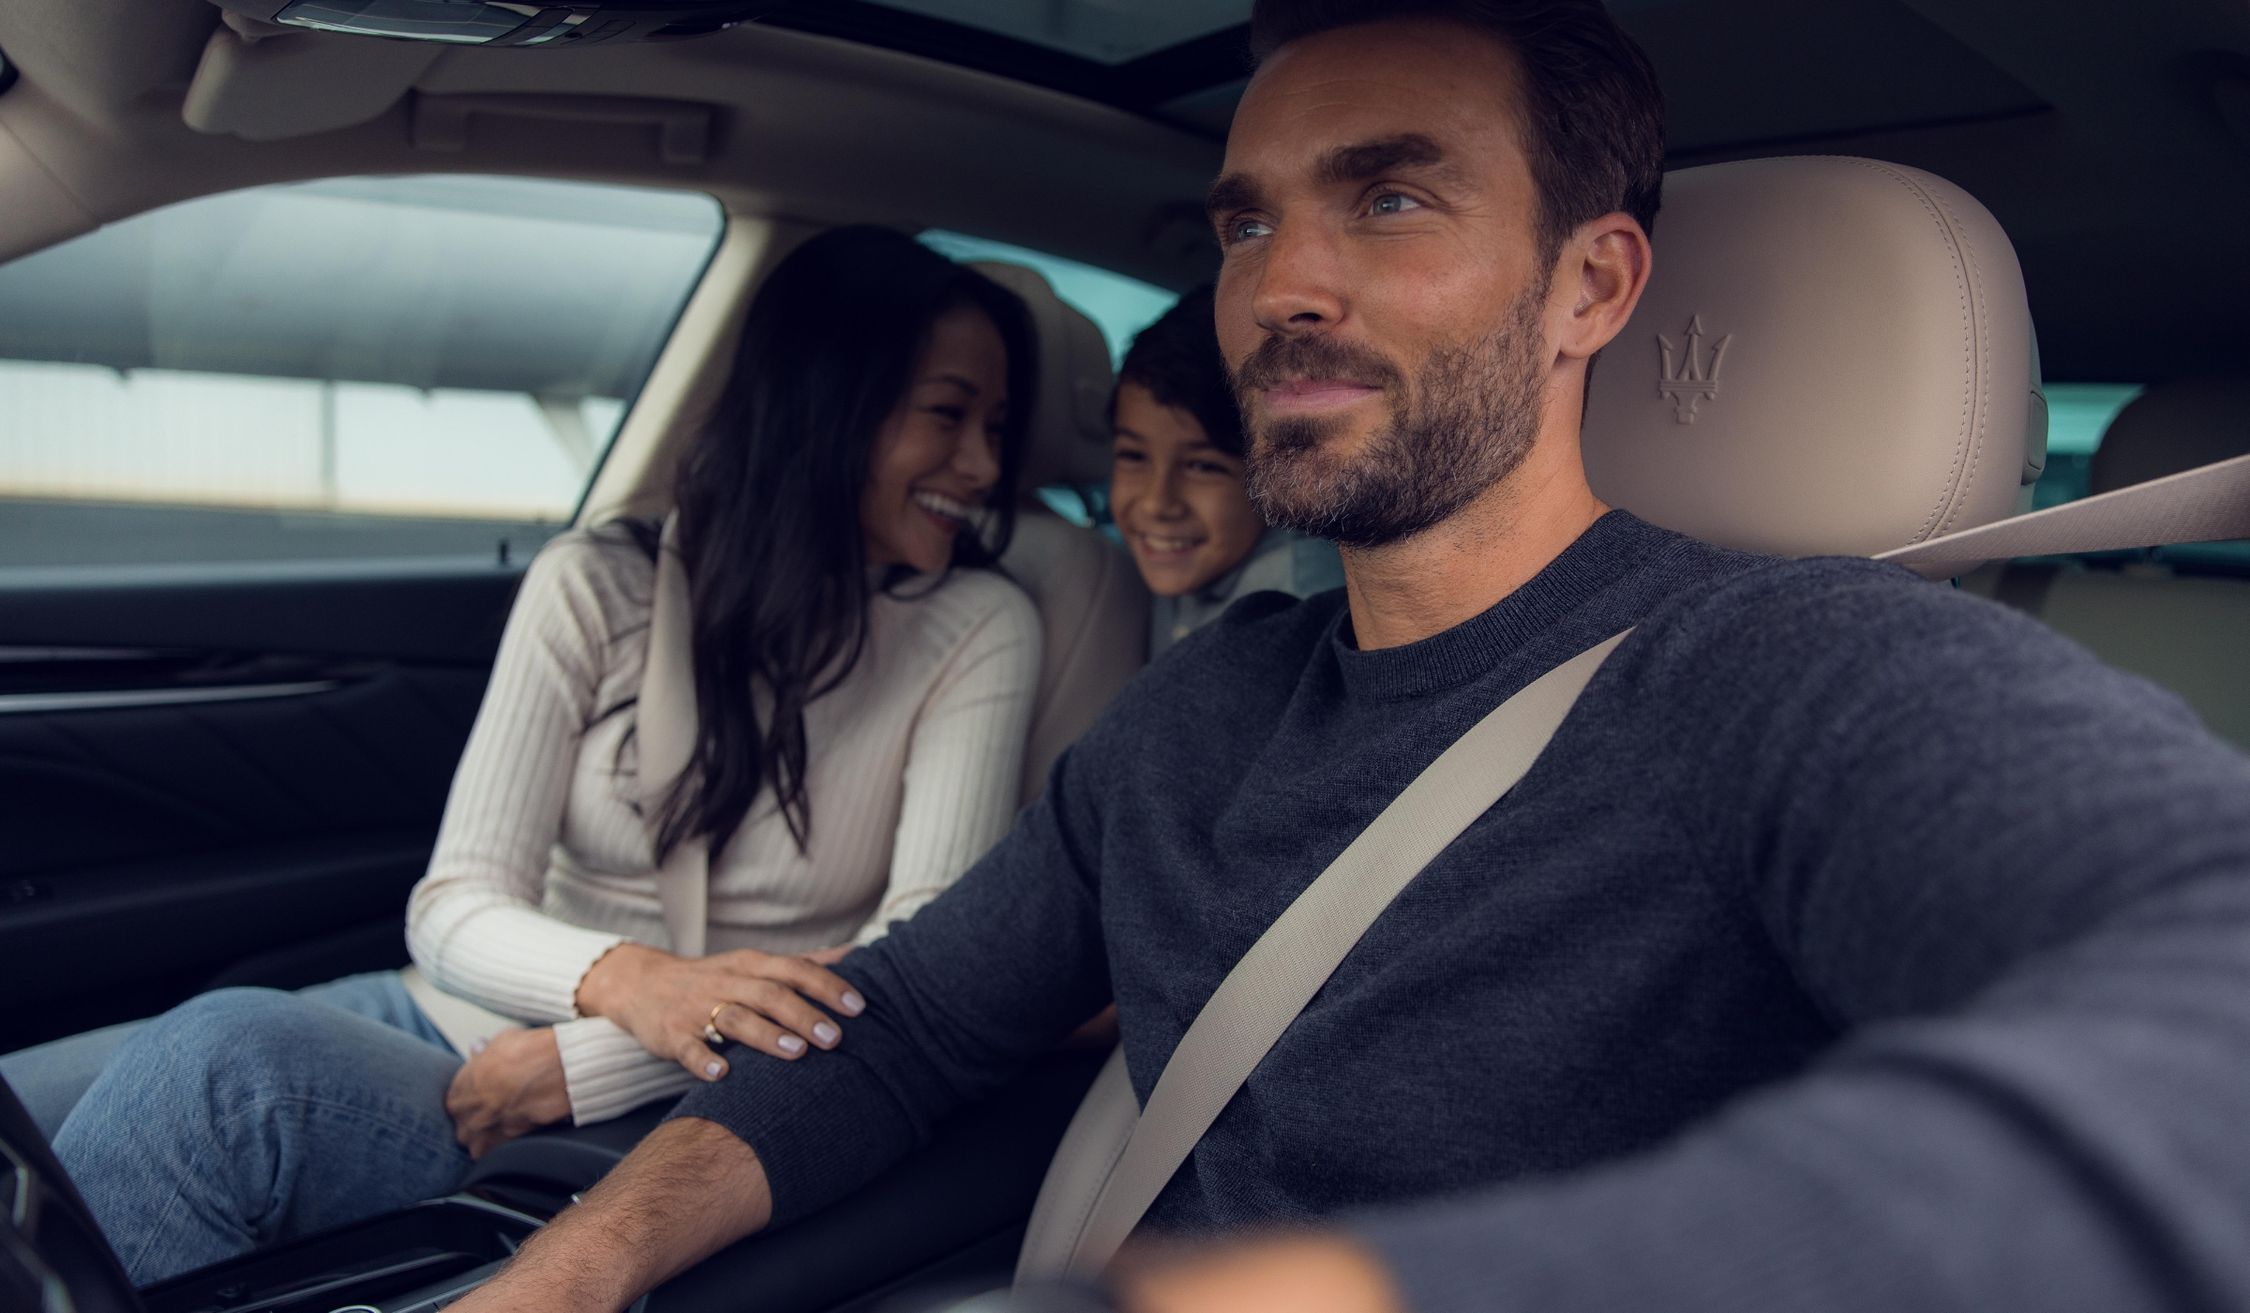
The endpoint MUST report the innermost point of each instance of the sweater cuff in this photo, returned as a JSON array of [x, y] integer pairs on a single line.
[[525, 964], [608, 1073]]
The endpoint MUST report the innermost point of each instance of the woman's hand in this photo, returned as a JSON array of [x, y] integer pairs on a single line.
[[664, 1001], [507, 1087]]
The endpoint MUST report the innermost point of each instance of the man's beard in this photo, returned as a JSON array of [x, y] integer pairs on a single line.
[[1470, 420]]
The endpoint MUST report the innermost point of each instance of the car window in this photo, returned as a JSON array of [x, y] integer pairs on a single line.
[[364, 367], [2077, 416]]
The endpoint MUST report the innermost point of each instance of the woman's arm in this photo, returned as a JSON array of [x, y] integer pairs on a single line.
[[964, 762], [473, 923]]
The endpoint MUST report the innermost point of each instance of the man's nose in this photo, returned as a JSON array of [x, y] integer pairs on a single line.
[[1299, 287]]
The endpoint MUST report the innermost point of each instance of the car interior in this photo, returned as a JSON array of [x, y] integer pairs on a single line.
[[1930, 238]]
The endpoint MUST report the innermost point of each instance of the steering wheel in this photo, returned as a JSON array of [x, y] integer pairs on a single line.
[[53, 1257]]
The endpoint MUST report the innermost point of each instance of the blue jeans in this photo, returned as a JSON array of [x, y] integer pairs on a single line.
[[244, 1117]]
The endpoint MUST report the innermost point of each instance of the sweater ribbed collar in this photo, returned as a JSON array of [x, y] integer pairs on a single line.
[[1609, 548]]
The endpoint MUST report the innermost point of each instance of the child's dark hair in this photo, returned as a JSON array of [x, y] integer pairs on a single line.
[[1177, 360]]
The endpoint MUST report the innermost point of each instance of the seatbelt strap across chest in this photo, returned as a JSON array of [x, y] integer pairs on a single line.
[[1093, 1210]]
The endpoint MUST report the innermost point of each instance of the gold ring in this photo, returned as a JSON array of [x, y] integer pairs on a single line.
[[711, 1025]]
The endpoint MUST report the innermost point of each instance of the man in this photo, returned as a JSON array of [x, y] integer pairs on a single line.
[[1867, 945]]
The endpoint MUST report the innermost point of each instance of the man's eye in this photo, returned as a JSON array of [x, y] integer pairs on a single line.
[[1244, 230], [1391, 202]]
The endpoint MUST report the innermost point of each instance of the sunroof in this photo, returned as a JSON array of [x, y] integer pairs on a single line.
[[1107, 31]]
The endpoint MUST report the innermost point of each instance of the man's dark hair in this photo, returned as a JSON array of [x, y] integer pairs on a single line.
[[1177, 360], [1593, 113]]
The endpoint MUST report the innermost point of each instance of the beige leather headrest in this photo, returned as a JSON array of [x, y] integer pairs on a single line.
[[1069, 435], [2169, 428], [1833, 355]]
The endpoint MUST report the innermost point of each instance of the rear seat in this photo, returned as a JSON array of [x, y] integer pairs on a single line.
[[2180, 617], [1088, 593]]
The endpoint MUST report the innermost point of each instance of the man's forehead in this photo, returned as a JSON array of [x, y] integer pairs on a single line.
[[1430, 79]]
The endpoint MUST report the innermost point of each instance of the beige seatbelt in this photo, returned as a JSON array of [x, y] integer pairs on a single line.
[[2204, 504], [1116, 1157], [664, 731], [1083, 1216]]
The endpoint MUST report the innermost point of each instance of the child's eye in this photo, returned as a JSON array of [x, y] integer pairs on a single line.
[[1126, 456], [950, 414], [1211, 467]]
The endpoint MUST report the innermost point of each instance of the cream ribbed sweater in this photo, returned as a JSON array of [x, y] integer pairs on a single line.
[[542, 864]]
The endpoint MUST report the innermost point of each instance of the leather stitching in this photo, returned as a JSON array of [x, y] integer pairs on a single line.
[[1980, 307]]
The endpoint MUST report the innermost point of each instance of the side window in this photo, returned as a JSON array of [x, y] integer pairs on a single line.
[[367, 367], [2077, 416], [1118, 305]]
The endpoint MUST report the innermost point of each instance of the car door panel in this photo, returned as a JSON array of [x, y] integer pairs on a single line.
[[203, 766]]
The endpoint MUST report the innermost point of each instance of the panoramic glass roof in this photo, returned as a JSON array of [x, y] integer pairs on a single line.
[[1110, 31]]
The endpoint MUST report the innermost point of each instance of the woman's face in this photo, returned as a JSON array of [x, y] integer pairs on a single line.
[[937, 457], [1177, 499]]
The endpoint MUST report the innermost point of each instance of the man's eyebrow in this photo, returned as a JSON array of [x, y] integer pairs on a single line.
[[1234, 191], [1357, 162], [1363, 160]]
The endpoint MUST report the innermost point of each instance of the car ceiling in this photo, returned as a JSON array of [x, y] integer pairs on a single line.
[[2111, 139]]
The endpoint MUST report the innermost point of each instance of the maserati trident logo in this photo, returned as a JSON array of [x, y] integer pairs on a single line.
[[1691, 375]]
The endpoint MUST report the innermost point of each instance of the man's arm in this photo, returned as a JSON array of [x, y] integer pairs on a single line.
[[689, 1190]]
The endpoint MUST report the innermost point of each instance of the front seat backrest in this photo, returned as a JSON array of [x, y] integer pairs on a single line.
[[1092, 605], [1833, 355]]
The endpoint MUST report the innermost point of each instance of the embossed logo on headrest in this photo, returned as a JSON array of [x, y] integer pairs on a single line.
[[1690, 375]]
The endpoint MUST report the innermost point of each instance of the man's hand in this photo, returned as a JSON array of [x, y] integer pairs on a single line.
[[689, 1190], [1293, 1274], [512, 1085]]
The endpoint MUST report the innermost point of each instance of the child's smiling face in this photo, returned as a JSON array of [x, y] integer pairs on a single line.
[[1178, 499]]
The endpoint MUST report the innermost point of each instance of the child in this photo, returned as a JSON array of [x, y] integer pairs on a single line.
[[1176, 488]]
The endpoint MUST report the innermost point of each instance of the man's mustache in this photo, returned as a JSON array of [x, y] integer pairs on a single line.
[[1282, 359]]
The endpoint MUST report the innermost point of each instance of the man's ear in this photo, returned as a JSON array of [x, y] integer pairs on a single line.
[[1598, 280]]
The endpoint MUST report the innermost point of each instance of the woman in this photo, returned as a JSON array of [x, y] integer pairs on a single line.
[[1176, 489], [786, 720]]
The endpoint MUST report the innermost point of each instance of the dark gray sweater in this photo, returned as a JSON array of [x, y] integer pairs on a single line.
[[1874, 947]]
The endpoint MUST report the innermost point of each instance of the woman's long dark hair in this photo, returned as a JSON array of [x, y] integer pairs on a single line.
[[769, 496]]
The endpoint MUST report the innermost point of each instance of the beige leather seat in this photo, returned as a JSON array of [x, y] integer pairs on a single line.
[[1089, 595], [2185, 627]]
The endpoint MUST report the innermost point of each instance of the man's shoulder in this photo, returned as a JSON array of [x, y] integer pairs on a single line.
[[1775, 624], [1265, 630], [1257, 647]]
